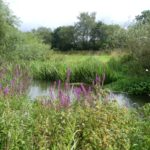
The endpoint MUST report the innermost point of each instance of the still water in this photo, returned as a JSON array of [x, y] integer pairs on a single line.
[[40, 88]]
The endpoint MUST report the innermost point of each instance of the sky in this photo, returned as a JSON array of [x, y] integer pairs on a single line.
[[55, 13]]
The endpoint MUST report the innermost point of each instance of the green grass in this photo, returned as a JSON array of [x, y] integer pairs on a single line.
[[84, 67]]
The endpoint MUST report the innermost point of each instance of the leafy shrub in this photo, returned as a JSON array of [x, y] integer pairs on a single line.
[[136, 86], [29, 48], [139, 43]]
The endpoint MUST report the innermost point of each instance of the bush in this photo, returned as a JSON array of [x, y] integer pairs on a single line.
[[135, 85], [28, 48], [139, 43]]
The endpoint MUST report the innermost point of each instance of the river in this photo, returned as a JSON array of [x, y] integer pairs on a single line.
[[42, 88]]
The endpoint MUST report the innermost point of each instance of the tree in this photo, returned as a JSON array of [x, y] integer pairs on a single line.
[[8, 29], [98, 36], [115, 36], [83, 29], [108, 36], [139, 40], [144, 17], [63, 38], [44, 33]]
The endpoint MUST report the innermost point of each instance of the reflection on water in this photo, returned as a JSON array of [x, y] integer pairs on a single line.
[[40, 88], [129, 100]]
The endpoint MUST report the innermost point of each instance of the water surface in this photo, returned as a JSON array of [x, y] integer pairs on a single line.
[[42, 88]]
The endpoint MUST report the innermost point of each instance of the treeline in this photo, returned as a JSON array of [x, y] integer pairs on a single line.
[[86, 34]]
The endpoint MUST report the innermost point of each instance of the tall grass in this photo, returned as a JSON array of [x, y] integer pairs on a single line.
[[81, 71]]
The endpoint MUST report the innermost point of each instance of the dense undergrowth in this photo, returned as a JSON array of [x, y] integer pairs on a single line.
[[89, 121], [31, 125]]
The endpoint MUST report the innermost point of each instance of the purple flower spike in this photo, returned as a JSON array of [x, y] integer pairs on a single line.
[[78, 92], [64, 100], [0, 86], [6, 91]]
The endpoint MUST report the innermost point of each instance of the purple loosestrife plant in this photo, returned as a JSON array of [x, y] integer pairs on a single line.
[[63, 99], [19, 82], [65, 95], [77, 92]]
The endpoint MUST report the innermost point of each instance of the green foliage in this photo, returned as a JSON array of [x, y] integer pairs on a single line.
[[133, 85], [17, 45], [30, 125], [98, 36], [116, 37], [88, 34], [7, 28], [45, 34], [83, 28], [141, 137], [144, 18], [29, 47], [139, 40], [81, 70], [63, 38]]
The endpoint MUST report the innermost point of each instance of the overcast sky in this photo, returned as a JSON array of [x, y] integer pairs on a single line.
[[54, 13]]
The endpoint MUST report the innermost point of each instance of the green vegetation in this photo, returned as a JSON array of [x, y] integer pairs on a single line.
[[27, 125], [83, 68], [89, 121]]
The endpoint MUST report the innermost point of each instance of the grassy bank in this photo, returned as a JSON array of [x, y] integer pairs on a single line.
[[122, 74], [84, 67], [81, 70]]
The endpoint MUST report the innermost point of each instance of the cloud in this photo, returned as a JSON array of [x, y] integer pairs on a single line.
[[54, 13]]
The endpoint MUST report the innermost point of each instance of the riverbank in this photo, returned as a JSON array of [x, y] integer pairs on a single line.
[[91, 121], [33, 125], [84, 67]]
